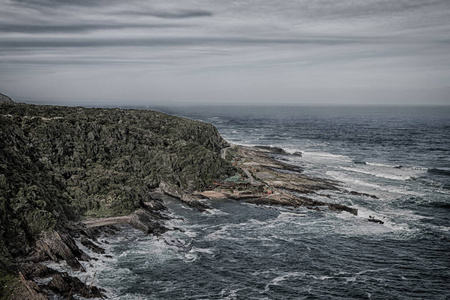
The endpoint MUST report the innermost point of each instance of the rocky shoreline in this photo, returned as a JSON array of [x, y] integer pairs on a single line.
[[263, 180], [267, 180], [71, 176]]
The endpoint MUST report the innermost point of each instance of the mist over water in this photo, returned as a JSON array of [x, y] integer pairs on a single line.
[[243, 251]]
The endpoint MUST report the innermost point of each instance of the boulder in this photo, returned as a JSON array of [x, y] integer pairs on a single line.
[[65, 285], [31, 270], [146, 222], [90, 245]]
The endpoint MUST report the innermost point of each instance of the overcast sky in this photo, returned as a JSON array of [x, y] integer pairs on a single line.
[[111, 52]]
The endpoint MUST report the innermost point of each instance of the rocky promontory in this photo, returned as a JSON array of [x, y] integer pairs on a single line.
[[61, 165], [71, 175]]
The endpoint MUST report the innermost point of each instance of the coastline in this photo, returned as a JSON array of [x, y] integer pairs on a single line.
[[264, 180], [259, 176], [267, 182]]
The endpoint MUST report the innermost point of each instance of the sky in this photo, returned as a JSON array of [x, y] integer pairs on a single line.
[[136, 52]]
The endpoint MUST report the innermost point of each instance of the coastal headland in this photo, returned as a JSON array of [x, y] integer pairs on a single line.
[[69, 175]]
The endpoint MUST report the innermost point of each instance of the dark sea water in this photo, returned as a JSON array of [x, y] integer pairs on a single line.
[[243, 251]]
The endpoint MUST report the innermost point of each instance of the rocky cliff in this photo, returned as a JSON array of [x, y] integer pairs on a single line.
[[62, 164]]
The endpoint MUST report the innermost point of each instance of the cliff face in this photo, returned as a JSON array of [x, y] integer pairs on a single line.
[[59, 164]]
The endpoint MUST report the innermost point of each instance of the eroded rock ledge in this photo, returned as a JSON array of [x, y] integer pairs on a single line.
[[266, 180]]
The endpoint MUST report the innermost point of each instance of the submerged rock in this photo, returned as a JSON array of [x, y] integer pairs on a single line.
[[361, 194], [372, 219], [340, 207]]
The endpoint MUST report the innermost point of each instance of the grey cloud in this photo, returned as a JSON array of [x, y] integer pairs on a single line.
[[281, 46], [176, 14], [166, 42], [348, 9], [56, 3], [75, 28]]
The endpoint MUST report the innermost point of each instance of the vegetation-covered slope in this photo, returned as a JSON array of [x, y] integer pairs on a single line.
[[58, 164]]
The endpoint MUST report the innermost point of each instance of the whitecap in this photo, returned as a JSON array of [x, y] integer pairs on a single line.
[[322, 156], [387, 171], [323, 277], [202, 250], [282, 277], [353, 182], [382, 165], [378, 173]]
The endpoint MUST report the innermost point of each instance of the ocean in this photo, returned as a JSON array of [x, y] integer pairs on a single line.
[[244, 251]]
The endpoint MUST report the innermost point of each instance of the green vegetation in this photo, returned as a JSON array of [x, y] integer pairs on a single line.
[[8, 282], [60, 164]]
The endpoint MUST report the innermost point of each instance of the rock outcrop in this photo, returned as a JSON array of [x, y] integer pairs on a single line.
[[186, 198], [147, 222], [5, 99], [280, 183], [59, 246], [65, 285]]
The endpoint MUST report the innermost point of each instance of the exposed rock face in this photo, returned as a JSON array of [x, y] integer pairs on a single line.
[[147, 222], [28, 290], [61, 247], [5, 99], [89, 244], [188, 199], [65, 285]]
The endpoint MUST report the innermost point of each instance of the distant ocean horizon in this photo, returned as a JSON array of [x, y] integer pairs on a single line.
[[171, 104], [401, 154]]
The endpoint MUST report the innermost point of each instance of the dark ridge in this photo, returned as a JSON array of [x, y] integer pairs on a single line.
[[444, 172], [273, 150], [440, 205], [437, 149], [277, 150]]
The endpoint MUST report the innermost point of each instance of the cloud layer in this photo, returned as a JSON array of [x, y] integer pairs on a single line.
[[139, 52]]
